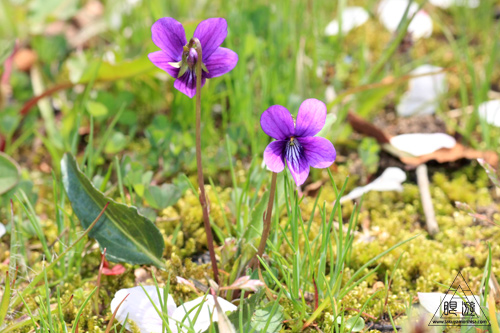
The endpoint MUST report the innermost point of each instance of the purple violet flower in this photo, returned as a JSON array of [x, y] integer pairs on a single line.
[[179, 60], [296, 144]]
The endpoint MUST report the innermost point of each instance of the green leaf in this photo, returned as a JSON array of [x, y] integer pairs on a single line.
[[116, 143], [97, 109], [353, 325], [6, 49], [268, 319], [126, 235], [256, 224], [112, 72], [162, 197], [9, 173]]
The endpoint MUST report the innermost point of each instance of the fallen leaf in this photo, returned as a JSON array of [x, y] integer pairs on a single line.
[[453, 154], [362, 126], [442, 155]]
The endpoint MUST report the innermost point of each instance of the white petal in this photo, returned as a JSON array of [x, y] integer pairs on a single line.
[[448, 3], [390, 180], [139, 308], [420, 26], [418, 144], [490, 112], [391, 12], [352, 17], [423, 92], [431, 301], [207, 311], [442, 3], [2, 230]]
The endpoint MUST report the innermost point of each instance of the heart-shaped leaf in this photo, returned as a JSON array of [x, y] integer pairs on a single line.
[[162, 197], [126, 235], [9, 173]]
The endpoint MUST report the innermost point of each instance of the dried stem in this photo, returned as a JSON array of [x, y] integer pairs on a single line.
[[425, 196], [201, 183], [267, 222]]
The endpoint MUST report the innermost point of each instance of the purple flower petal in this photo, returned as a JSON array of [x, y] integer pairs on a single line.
[[169, 35], [296, 161], [211, 34], [273, 155], [161, 60], [186, 84], [299, 171], [277, 122], [319, 152], [220, 62], [311, 117]]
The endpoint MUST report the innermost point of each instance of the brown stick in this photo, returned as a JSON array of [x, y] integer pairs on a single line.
[[201, 181], [267, 222]]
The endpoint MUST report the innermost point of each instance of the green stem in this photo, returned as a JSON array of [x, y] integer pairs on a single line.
[[201, 182], [267, 221]]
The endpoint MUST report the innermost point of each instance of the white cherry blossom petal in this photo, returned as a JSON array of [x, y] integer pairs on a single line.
[[352, 17], [390, 180], [431, 302], [448, 3], [391, 12], [423, 92], [139, 308], [490, 112], [418, 144], [206, 315], [2, 230]]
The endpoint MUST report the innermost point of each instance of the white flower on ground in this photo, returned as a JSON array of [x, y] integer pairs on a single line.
[[431, 302], [390, 180], [2, 230], [143, 314], [448, 3], [490, 112], [418, 144], [352, 17], [423, 92], [391, 12]]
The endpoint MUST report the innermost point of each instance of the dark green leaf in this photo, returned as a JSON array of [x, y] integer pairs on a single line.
[[126, 235]]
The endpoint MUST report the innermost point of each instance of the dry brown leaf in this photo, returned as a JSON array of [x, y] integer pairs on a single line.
[[442, 155], [364, 127], [458, 152]]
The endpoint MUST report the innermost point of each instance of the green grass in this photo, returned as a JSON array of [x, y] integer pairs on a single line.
[[130, 128]]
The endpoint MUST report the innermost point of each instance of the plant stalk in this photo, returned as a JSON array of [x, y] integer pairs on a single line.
[[267, 222], [201, 183]]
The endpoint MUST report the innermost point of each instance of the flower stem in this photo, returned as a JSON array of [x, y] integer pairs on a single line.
[[267, 222], [201, 183]]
